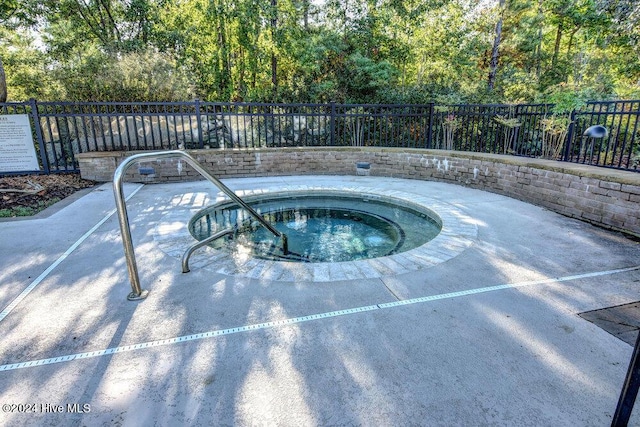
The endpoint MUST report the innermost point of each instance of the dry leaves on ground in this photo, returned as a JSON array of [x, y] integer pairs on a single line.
[[28, 194]]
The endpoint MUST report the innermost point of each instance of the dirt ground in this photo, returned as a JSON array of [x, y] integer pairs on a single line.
[[25, 195]]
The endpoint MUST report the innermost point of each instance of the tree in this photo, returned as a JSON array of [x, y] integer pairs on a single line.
[[568, 17], [8, 8], [493, 66], [25, 63], [350, 50], [114, 25]]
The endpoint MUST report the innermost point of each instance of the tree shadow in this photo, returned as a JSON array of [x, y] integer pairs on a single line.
[[509, 357]]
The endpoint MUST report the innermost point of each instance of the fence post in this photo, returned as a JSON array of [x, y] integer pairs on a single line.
[[36, 124], [430, 134], [332, 127], [199, 123], [571, 131]]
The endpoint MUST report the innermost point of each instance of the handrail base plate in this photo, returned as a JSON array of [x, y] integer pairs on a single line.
[[135, 297]]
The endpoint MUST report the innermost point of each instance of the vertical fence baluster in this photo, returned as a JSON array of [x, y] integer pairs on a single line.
[[332, 125], [52, 143], [631, 143], [198, 122], [127, 129], [166, 115], [181, 113], [616, 140], [430, 126], [625, 133]]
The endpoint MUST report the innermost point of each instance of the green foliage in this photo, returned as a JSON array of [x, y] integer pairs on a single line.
[[363, 79], [135, 76], [7, 9], [26, 210], [554, 134], [512, 122], [566, 99], [25, 68], [304, 51], [509, 127]]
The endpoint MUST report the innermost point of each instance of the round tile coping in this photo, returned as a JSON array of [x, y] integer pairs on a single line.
[[459, 231]]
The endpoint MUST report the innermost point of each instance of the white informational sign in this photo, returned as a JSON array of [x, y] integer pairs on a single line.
[[17, 152]]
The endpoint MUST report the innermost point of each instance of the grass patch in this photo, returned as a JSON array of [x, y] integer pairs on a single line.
[[27, 210]]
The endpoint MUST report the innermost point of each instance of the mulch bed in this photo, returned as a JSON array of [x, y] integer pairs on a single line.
[[32, 193]]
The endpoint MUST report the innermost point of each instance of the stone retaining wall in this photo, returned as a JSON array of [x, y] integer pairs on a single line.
[[605, 197]]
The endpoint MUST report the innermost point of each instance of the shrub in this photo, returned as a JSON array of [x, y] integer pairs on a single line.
[[132, 77]]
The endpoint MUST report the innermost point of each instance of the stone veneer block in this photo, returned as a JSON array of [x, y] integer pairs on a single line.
[[605, 197]]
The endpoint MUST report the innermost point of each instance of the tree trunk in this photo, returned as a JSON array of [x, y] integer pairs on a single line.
[[274, 59], [495, 52], [225, 84], [3, 83], [306, 5], [570, 44], [556, 49], [538, 51], [274, 75]]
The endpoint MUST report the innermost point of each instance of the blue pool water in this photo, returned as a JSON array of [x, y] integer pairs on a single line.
[[320, 227]]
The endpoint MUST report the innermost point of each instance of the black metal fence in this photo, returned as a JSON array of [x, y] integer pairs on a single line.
[[61, 130]]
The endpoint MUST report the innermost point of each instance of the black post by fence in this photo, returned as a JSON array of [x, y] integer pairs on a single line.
[[629, 390], [38, 131]]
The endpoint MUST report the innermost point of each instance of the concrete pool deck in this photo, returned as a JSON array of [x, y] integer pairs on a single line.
[[488, 336]]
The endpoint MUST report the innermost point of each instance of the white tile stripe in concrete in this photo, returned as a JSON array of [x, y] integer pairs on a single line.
[[8, 309], [290, 321]]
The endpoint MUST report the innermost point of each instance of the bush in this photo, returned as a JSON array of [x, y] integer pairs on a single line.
[[132, 77]]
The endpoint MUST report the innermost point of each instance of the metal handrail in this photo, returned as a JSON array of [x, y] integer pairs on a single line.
[[191, 249], [136, 291]]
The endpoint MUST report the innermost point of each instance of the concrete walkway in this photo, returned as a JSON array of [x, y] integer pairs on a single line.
[[489, 336]]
